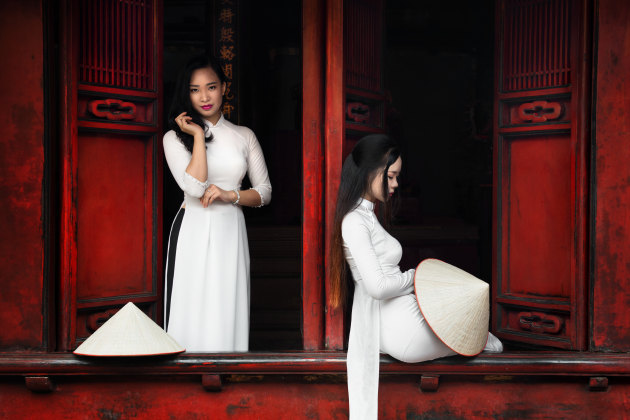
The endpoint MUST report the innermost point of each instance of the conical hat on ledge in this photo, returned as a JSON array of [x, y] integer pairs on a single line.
[[455, 304], [130, 332]]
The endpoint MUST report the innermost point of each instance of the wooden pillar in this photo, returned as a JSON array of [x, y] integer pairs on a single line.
[[333, 139], [23, 181], [312, 174], [610, 197], [68, 51]]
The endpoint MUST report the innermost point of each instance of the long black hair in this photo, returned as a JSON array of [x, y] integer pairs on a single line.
[[370, 158], [181, 96]]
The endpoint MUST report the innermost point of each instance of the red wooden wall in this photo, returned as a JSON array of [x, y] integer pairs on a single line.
[[490, 397], [333, 140], [540, 170], [111, 163], [22, 241], [23, 302], [312, 175], [611, 169]]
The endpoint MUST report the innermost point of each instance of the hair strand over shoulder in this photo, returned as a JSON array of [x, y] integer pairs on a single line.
[[371, 157]]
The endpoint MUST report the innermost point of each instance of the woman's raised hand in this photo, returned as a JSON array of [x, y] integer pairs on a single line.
[[185, 123], [215, 193]]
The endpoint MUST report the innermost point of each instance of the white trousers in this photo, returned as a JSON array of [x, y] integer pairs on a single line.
[[406, 336]]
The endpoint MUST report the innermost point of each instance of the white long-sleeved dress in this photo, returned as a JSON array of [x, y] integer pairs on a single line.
[[385, 312], [207, 303]]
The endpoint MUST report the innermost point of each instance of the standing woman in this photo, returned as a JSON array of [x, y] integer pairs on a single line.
[[385, 313], [207, 270]]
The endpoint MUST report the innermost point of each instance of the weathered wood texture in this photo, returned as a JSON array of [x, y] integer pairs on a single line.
[[22, 157], [520, 364], [611, 180], [111, 163], [320, 397], [313, 175], [333, 140], [541, 175], [68, 51]]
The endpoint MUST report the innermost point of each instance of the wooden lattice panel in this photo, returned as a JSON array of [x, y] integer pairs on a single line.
[[116, 46], [363, 23], [536, 47]]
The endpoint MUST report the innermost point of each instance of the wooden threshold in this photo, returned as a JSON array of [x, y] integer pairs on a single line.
[[512, 363]]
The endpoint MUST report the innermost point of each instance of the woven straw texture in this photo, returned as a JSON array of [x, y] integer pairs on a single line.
[[455, 305], [130, 332]]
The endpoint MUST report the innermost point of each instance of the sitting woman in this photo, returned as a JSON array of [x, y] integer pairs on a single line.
[[386, 315]]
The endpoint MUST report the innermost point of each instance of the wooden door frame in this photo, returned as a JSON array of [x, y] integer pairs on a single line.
[[579, 128], [334, 140], [312, 175], [69, 53], [322, 137], [69, 135]]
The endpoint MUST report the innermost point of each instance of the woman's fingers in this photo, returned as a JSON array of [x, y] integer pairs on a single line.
[[185, 123], [180, 119], [212, 193], [207, 197]]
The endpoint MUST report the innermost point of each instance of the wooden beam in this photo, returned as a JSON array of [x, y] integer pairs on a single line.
[[68, 189], [312, 175], [325, 362], [211, 383], [39, 383], [333, 138], [429, 383]]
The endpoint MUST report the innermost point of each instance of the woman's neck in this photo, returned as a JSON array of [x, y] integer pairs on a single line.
[[214, 120], [369, 198]]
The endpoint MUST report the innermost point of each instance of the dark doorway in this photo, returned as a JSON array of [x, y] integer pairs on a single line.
[[269, 98], [438, 68]]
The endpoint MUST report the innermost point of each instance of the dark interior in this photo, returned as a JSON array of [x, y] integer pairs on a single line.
[[438, 74]]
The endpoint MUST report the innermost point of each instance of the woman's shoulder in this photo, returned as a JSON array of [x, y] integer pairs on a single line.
[[244, 132], [170, 137], [355, 218], [172, 144]]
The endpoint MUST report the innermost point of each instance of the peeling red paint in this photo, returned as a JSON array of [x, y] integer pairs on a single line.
[[21, 176], [312, 175], [611, 270], [315, 397], [280, 398]]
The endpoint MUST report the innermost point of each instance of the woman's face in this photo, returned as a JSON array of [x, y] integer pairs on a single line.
[[206, 93], [376, 186]]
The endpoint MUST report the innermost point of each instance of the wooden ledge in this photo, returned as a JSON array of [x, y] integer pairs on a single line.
[[525, 363]]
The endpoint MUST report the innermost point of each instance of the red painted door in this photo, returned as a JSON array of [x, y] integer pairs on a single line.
[[112, 163], [354, 107], [541, 173]]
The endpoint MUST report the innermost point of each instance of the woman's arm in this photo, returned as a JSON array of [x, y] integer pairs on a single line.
[[356, 235], [245, 197], [257, 196], [178, 160], [198, 165], [260, 193]]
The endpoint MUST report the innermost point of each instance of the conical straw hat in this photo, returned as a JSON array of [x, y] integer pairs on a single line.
[[129, 333], [455, 305]]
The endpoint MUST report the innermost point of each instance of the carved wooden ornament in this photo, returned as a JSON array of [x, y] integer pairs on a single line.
[[113, 109], [539, 111]]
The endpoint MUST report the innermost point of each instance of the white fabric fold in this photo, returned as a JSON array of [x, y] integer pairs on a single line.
[[373, 256]]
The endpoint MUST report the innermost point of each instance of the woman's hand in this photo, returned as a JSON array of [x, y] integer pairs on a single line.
[[215, 193], [185, 123]]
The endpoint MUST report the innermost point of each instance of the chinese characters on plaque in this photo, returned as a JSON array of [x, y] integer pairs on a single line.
[[226, 44]]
